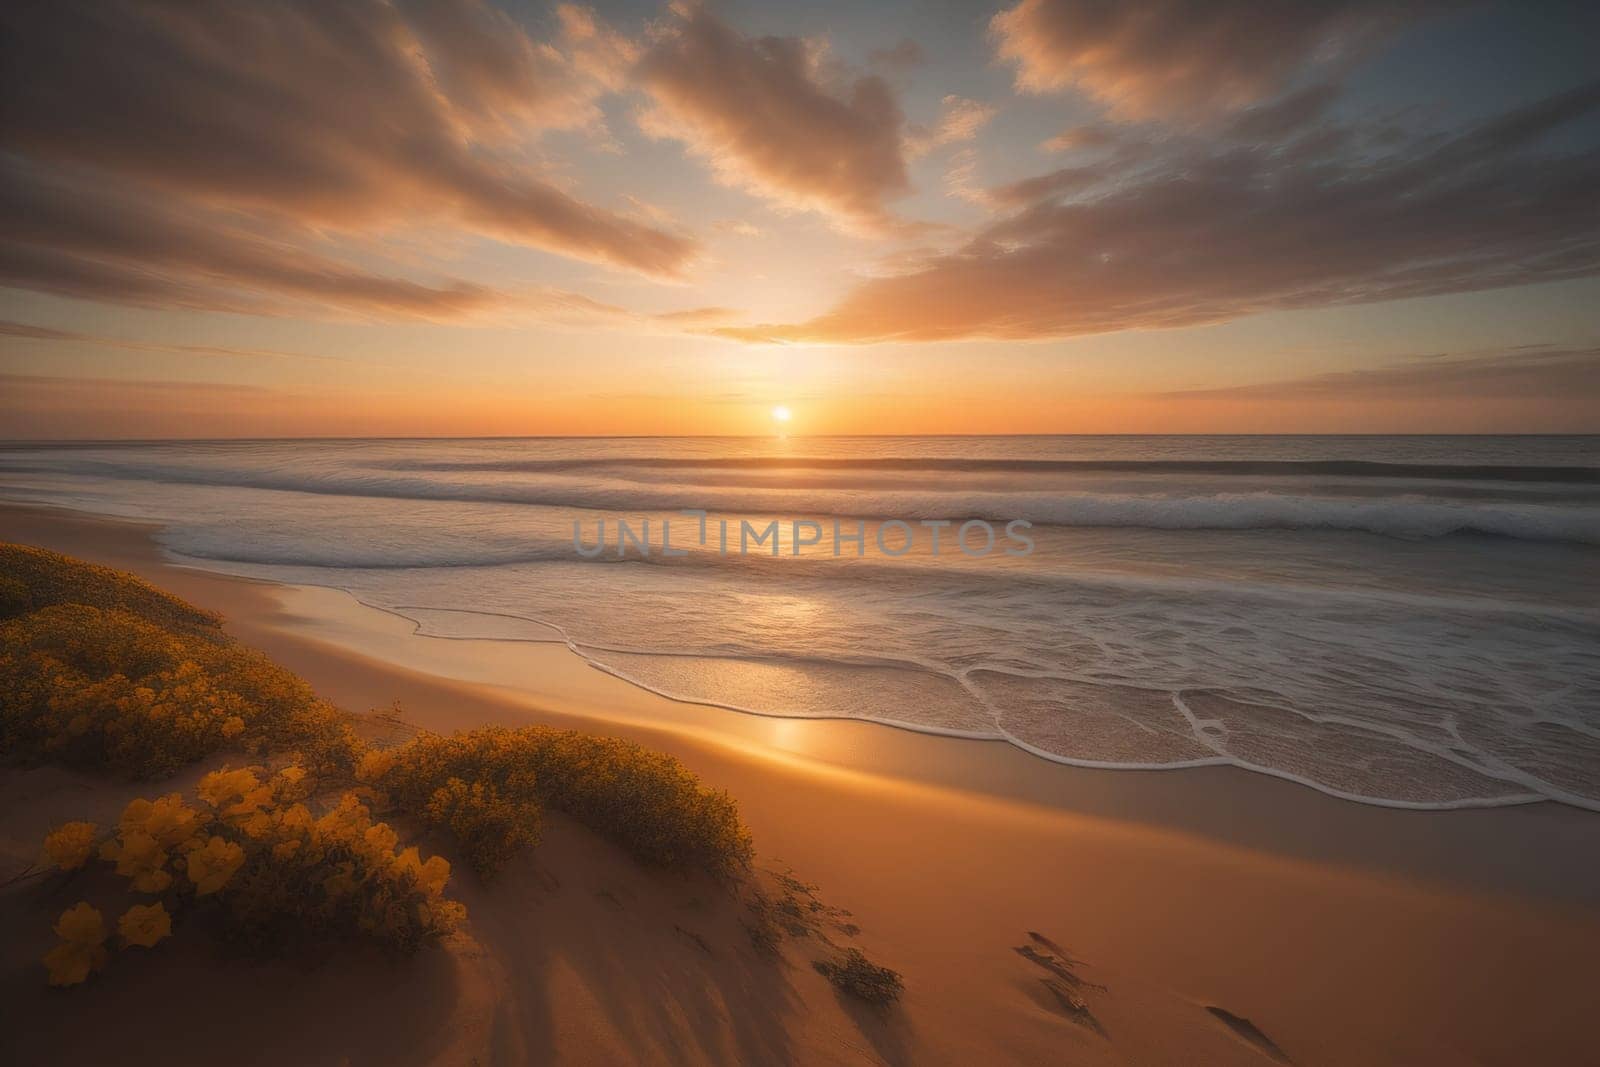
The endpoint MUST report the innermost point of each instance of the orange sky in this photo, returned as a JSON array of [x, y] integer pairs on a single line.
[[461, 218]]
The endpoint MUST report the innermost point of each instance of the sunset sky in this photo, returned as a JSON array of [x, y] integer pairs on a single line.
[[1054, 216]]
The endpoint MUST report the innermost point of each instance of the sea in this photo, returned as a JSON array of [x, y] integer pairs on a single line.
[[1408, 621]]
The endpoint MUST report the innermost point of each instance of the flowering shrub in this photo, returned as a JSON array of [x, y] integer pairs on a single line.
[[250, 853], [101, 671], [127, 679], [647, 802], [36, 578]]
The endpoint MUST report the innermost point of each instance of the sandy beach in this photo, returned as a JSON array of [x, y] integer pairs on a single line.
[[1347, 934]]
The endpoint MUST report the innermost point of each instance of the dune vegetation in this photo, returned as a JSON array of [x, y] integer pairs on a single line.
[[248, 860], [489, 786], [103, 672], [307, 836], [106, 674]]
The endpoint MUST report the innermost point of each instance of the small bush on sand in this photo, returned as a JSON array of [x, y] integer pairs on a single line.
[[853, 973], [647, 802], [250, 853], [488, 827], [128, 680]]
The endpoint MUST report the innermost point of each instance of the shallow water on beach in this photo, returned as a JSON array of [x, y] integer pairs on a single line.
[[1405, 620]]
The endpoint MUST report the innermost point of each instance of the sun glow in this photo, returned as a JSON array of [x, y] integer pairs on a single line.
[[780, 414]]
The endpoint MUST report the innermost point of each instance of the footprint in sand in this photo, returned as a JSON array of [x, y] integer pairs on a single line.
[[1250, 1033], [1063, 982]]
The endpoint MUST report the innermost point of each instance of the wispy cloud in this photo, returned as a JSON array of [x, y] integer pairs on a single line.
[[960, 120], [1217, 233], [1186, 58], [233, 137], [28, 332], [762, 113]]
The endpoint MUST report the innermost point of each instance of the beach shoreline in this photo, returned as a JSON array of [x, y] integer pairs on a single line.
[[1348, 932]]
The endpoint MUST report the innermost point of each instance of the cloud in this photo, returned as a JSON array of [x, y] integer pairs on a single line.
[[493, 76], [961, 178], [81, 239], [78, 239], [960, 121], [291, 120], [1081, 137], [1282, 117], [1058, 182], [1186, 58], [1208, 236], [1547, 372], [700, 317], [760, 111], [28, 332]]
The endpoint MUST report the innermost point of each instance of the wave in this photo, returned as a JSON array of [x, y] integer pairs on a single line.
[[1403, 518], [1410, 516], [1322, 468]]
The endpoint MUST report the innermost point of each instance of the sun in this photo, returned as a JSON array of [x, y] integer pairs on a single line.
[[780, 414]]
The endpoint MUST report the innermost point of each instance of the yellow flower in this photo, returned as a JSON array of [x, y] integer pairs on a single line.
[[136, 814], [140, 858], [144, 924], [210, 867], [70, 964], [69, 845], [81, 924], [258, 825], [233, 726], [380, 838], [82, 930], [434, 874], [169, 820], [430, 877], [219, 787], [346, 820], [296, 818], [374, 765]]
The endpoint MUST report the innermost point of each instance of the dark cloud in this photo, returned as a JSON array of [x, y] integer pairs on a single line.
[[1208, 236], [761, 111], [1187, 58], [353, 118]]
